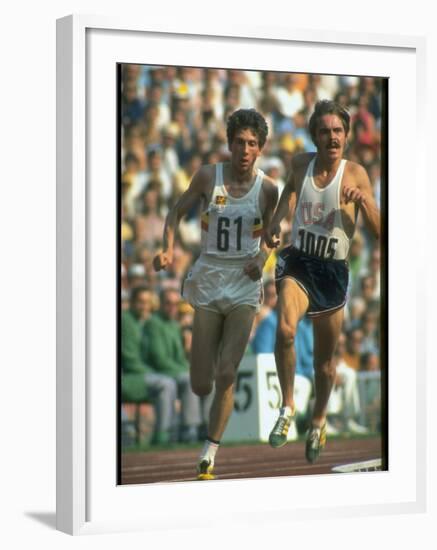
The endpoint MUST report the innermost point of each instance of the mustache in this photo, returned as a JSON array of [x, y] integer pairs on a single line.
[[335, 144]]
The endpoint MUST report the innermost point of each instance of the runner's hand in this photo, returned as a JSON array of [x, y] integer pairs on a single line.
[[254, 267], [353, 194], [271, 236], [162, 260]]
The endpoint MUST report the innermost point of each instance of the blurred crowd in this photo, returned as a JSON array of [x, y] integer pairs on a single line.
[[173, 119]]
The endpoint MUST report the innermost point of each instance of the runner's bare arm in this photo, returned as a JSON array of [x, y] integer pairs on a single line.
[[362, 195], [194, 193], [254, 267], [273, 230]]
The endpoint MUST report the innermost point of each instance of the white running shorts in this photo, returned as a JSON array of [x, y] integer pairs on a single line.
[[220, 286]]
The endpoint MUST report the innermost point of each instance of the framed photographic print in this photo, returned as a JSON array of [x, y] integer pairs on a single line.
[[140, 109]]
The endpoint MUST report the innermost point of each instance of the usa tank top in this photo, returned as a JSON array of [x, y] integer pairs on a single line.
[[317, 226]]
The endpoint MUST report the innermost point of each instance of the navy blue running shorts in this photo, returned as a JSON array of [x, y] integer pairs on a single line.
[[325, 281]]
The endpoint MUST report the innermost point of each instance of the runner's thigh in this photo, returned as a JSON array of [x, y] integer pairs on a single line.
[[292, 304]]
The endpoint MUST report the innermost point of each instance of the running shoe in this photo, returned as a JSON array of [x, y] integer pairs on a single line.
[[315, 443], [278, 436], [205, 469]]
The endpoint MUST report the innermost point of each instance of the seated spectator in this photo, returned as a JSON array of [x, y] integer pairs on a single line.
[[370, 363], [345, 400], [167, 357], [139, 382]]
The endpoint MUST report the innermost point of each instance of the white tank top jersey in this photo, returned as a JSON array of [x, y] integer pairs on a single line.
[[232, 227], [317, 225]]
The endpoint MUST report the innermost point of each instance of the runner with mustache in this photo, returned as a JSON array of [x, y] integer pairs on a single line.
[[326, 193]]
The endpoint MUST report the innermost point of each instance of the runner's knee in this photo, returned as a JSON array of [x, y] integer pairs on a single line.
[[201, 387], [224, 379], [326, 369], [286, 333]]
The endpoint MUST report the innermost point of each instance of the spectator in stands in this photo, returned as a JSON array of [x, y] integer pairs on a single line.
[[149, 222], [139, 382], [155, 99], [374, 271], [356, 261], [289, 96], [344, 400], [136, 275], [369, 326], [132, 182], [355, 311], [364, 124], [156, 172], [274, 168], [170, 158], [184, 175], [352, 353], [167, 357], [152, 130], [370, 364], [132, 105], [368, 290], [185, 315], [346, 392]]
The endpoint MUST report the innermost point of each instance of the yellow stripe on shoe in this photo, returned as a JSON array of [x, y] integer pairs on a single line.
[[315, 443], [278, 435], [205, 470], [205, 477]]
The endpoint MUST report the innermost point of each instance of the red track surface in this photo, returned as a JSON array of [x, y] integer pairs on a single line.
[[246, 461]]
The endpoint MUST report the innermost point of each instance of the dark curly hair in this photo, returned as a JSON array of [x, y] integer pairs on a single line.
[[328, 107], [247, 118]]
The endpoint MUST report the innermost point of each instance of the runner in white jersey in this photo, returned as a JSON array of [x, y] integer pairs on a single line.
[[317, 226], [312, 274], [224, 285]]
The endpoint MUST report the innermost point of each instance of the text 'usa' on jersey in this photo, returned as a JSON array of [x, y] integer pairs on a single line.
[[317, 226], [232, 227]]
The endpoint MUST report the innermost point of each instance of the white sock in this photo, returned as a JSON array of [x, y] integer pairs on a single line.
[[209, 450], [285, 411]]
